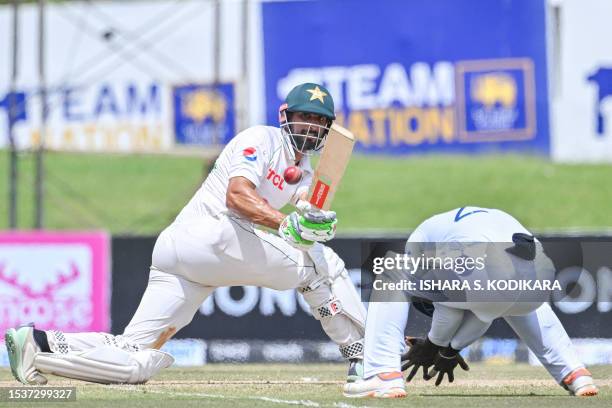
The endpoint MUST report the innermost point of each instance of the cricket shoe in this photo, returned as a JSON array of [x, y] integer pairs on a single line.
[[383, 385], [355, 370], [580, 383], [22, 349]]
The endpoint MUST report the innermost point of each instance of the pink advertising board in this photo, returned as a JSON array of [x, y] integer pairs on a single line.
[[58, 280]]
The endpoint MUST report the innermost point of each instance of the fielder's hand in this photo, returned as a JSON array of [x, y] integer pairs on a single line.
[[422, 353], [445, 362]]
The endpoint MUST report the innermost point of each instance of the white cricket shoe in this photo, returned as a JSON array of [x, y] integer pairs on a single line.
[[383, 385], [580, 383], [22, 349]]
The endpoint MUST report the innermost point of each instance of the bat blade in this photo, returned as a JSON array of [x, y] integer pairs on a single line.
[[332, 164]]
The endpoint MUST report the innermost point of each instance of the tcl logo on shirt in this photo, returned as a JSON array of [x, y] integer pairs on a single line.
[[276, 179]]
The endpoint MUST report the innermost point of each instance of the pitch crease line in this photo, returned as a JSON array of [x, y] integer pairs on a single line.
[[306, 403]]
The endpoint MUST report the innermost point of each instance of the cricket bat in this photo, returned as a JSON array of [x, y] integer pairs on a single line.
[[330, 169]]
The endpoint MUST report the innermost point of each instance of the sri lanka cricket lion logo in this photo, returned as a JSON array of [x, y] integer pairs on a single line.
[[202, 104], [494, 89]]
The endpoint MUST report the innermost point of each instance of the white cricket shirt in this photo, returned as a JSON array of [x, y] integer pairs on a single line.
[[468, 224], [261, 154]]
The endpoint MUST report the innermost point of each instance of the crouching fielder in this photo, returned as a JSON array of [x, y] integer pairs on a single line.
[[456, 325], [214, 242]]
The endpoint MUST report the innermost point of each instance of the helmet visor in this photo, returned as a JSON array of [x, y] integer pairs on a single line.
[[305, 137]]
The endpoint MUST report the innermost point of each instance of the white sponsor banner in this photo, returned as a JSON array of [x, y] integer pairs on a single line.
[[112, 69], [582, 91]]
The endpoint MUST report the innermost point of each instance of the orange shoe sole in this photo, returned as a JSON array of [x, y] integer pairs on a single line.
[[588, 391], [392, 393]]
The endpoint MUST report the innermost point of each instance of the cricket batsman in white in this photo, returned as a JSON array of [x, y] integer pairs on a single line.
[[215, 241], [455, 326]]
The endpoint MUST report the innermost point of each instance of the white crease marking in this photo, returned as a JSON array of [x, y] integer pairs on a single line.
[[306, 403]]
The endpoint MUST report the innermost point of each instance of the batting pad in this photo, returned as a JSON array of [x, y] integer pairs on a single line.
[[341, 313], [105, 365], [342, 288]]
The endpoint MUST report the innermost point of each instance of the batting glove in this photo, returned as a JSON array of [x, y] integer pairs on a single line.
[[316, 224], [422, 353], [445, 362], [290, 230]]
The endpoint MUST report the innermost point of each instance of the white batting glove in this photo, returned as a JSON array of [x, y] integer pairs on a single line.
[[291, 231], [304, 206], [316, 224]]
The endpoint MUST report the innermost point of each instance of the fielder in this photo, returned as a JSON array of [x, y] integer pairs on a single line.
[[455, 326], [214, 242]]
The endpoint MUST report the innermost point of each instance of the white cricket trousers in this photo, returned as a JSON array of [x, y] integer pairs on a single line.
[[193, 257], [540, 330]]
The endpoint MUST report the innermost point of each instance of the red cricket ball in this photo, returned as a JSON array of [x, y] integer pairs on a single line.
[[292, 175]]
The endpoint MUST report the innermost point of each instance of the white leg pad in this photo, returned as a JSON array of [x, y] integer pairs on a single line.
[[332, 282], [335, 302], [106, 365]]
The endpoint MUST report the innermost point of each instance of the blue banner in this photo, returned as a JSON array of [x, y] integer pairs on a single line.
[[411, 76], [203, 114]]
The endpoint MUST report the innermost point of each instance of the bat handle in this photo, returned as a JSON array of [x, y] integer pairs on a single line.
[[313, 201]]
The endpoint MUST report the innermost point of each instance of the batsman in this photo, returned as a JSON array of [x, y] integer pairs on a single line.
[[216, 241]]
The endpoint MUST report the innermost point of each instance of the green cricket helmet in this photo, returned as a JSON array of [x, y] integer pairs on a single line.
[[310, 98]]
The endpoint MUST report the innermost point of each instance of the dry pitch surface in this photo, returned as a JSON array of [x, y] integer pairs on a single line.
[[250, 385]]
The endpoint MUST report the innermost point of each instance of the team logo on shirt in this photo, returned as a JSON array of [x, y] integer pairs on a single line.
[[250, 154]]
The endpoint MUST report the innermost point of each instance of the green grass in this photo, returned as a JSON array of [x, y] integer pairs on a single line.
[[400, 193], [142, 194], [123, 194], [252, 385]]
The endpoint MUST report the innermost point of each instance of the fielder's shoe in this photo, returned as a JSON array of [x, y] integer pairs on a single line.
[[355, 371], [580, 383], [384, 385], [22, 349]]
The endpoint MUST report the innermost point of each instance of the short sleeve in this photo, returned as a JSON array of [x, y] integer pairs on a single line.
[[250, 156]]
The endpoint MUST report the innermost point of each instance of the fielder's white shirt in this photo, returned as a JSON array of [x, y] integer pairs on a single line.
[[261, 154], [468, 224]]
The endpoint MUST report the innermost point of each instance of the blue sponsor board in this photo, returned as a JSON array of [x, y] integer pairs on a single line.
[[495, 100], [203, 114], [409, 76], [186, 352]]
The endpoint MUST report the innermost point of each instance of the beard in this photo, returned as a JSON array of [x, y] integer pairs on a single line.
[[305, 143]]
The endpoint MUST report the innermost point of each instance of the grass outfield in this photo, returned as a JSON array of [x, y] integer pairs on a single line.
[[319, 386], [142, 194]]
